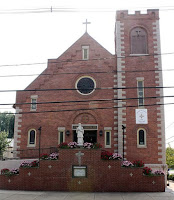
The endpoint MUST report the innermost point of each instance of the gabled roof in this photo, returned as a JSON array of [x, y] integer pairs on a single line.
[[85, 40]]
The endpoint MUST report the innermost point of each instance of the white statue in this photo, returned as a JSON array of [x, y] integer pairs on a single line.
[[80, 132]]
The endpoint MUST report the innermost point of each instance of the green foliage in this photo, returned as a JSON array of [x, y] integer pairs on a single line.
[[7, 123], [3, 142], [170, 157], [171, 177]]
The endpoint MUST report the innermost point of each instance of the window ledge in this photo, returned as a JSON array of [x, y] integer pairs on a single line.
[[33, 109], [141, 107], [138, 55], [30, 146], [142, 147]]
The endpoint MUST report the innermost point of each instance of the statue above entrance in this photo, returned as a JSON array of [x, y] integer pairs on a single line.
[[80, 133]]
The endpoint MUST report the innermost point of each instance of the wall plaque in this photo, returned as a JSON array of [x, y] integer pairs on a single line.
[[79, 171], [141, 116], [86, 126]]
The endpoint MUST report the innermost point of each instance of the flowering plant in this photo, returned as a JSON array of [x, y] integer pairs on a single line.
[[25, 164], [158, 172], [97, 146], [53, 156], [4, 171], [126, 163], [106, 155], [72, 145], [117, 156], [147, 171], [87, 145], [8, 172], [44, 156], [28, 164], [15, 171], [138, 163], [35, 163], [63, 145]]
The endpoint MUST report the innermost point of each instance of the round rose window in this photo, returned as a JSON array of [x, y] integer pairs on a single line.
[[85, 85]]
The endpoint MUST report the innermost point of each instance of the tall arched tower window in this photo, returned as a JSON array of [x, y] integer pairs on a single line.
[[138, 39]]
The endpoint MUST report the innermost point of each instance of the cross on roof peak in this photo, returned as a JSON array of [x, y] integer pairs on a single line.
[[86, 23]]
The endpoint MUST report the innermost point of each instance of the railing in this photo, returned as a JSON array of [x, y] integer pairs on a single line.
[[32, 153]]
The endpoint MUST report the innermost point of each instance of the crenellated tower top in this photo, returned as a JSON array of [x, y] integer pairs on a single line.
[[151, 14]]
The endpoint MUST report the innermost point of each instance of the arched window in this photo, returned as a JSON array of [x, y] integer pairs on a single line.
[[141, 138], [32, 137], [138, 38]]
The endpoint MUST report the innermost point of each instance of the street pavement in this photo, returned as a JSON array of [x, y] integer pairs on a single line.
[[32, 195]]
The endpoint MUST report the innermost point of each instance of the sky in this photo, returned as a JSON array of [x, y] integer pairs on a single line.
[[30, 33]]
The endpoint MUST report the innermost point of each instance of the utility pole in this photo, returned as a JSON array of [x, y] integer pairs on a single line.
[[123, 128]]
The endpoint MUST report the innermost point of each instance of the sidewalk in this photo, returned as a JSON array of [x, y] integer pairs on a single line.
[[32, 195]]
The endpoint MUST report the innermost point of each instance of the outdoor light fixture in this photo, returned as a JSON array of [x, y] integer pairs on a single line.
[[100, 132], [67, 132]]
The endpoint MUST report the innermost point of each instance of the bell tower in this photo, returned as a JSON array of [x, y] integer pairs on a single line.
[[138, 54]]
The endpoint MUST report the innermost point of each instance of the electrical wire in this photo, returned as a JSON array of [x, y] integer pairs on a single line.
[[80, 60], [86, 101], [169, 138], [85, 72], [86, 109], [73, 10], [74, 89]]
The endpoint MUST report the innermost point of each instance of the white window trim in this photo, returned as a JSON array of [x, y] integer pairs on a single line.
[[33, 97], [28, 143], [83, 48], [145, 141], [107, 146], [138, 80], [85, 77], [61, 129]]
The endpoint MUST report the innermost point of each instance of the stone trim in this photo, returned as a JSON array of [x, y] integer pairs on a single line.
[[107, 128], [159, 82], [120, 82], [61, 128], [17, 131]]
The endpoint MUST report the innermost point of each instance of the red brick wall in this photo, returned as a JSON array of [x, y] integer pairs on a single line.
[[52, 120], [100, 60], [100, 178], [146, 67]]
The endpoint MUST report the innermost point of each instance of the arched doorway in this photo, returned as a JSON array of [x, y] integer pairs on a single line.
[[90, 127]]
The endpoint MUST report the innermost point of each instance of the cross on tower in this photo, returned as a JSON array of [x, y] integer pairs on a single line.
[[79, 155], [86, 23]]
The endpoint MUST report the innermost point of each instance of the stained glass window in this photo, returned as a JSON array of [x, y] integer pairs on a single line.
[[85, 85]]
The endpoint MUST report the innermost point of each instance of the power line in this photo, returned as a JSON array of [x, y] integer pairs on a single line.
[[85, 72], [72, 10], [84, 101], [74, 89], [80, 60], [169, 142], [169, 138], [169, 125], [85, 109]]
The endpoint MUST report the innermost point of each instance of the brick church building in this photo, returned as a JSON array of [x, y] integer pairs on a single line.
[[112, 96]]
